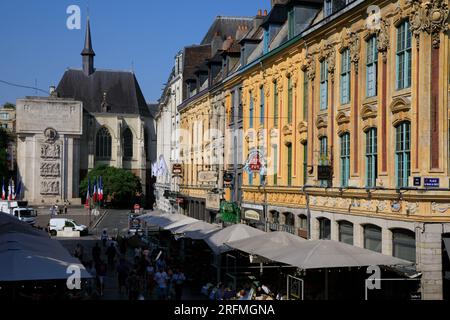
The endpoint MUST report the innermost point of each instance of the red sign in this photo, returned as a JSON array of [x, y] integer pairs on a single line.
[[180, 200], [254, 163]]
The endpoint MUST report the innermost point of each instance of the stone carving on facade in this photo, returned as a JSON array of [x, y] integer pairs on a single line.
[[50, 135], [50, 151], [396, 206], [50, 188], [382, 205], [310, 67], [383, 38], [368, 205], [49, 169], [430, 17], [440, 207], [355, 49], [411, 207]]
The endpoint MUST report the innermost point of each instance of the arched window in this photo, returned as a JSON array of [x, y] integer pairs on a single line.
[[274, 217], [127, 144], [403, 153], [103, 144], [346, 232], [372, 238], [404, 244], [325, 229], [289, 219]]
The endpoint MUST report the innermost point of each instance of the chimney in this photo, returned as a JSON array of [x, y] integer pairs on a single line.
[[259, 13], [51, 91], [216, 43], [265, 13], [241, 32]]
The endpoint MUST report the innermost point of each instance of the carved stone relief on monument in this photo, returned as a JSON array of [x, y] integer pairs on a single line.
[[50, 151], [50, 169], [50, 187]]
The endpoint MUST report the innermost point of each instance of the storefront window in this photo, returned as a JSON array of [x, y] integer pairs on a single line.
[[346, 232], [325, 229], [404, 244], [372, 238]]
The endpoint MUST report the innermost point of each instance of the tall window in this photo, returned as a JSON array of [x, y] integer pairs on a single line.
[[345, 159], [146, 142], [325, 229], [323, 85], [403, 56], [305, 96], [240, 107], [371, 67], [372, 238], [404, 244], [289, 165], [262, 108], [290, 100], [305, 163], [275, 165], [371, 157], [233, 103], [345, 76], [346, 232], [103, 144], [291, 24], [250, 178], [275, 104], [127, 144], [323, 157], [403, 153], [251, 109]]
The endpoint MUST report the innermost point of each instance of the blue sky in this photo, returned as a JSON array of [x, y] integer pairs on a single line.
[[36, 46]]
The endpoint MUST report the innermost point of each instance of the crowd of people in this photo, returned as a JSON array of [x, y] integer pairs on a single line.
[[141, 272]]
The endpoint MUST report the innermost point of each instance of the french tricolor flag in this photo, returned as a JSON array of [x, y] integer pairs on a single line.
[[3, 190]]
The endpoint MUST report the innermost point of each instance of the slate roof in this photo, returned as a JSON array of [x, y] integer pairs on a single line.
[[123, 94], [226, 26]]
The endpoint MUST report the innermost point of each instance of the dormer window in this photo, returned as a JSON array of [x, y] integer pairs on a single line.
[[291, 24], [332, 6]]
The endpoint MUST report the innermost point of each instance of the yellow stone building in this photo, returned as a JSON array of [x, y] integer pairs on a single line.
[[346, 127]]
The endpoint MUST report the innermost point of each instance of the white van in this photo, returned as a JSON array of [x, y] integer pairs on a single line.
[[20, 210], [58, 224]]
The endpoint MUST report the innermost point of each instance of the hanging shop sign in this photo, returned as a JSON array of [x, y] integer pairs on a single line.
[[213, 201], [228, 177], [177, 169], [254, 162], [207, 176], [324, 172], [252, 215]]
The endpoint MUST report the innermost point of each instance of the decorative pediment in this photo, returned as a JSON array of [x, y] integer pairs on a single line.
[[321, 122], [368, 112], [400, 104], [310, 67], [302, 127], [342, 118]]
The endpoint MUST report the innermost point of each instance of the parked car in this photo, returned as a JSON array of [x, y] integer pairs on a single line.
[[58, 224]]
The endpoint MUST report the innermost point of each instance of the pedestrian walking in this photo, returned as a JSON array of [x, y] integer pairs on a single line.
[[96, 252], [161, 278], [79, 252], [133, 286], [178, 279], [104, 237], [52, 211], [101, 274], [111, 254], [122, 274], [65, 208]]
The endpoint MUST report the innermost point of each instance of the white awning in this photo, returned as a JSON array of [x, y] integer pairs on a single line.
[[311, 254], [216, 241], [197, 230], [28, 254]]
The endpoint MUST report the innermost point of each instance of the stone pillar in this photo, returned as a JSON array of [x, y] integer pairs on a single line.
[[358, 235], [386, 241], [334, 226], [429, 260], [315, 229]]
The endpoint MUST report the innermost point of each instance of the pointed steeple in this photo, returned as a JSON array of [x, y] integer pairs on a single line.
[[88, 53]]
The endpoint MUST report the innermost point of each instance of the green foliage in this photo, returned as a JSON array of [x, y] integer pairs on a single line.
[[5, 138], [230, 212], [120, 185], [9, 105]]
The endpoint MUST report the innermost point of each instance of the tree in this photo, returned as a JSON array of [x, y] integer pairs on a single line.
[[120, 185], [5, 138], [9, 105]]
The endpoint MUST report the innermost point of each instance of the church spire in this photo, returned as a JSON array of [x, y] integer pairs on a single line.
[[88, 53]]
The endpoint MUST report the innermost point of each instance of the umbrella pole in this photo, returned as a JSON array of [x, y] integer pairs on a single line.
[[219, 267], [326, 284]]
